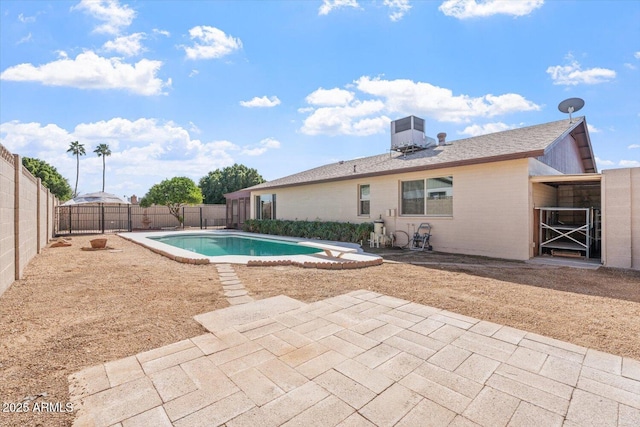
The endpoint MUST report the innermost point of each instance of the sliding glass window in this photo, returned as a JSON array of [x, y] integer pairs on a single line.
[[430, 197]]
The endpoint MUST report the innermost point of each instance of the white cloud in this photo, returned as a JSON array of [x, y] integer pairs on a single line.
[[126, 45], [398, 8], [25, 39], [144, 151], [329, 5], [409, 97], [26, 19], [113, 15], [477, 130], [210, 43], [329, 97], [637, 55], [633, 146], [194, 73], [592, 128], [463, 9], [629, 163], [339, 112], [347, 120], [90, 71], [18, 136], [601, 162], [573, 74], [262, 102], [263, 146], [193, 128], [161, 32], [630, 66]]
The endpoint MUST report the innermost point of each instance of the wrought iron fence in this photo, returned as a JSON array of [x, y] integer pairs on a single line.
[[100, 219]]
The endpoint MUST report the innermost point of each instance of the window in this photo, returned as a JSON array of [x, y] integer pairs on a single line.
[[440, 196], [364, 205], [266, 206], [438, 200], [413, 197]]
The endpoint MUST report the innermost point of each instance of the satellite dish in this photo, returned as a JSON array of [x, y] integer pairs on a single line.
[[571, 105]]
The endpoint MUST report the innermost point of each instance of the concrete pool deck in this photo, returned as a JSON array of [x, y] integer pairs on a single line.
[[359, 359], [354, 254]]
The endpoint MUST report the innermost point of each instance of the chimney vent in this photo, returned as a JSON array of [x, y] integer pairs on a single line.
[[441, 138]]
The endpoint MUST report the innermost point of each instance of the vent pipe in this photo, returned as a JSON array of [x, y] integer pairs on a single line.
[[441, 138]]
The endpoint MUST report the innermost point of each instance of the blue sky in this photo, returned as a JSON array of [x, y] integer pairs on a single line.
[[180, 88]]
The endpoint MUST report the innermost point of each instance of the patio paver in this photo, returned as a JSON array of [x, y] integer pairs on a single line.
[[358, 359]]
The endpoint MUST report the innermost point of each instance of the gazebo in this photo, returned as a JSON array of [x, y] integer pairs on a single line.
[[99, 197]]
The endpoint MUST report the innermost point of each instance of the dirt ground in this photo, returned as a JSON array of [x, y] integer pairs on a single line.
[[75, 309]]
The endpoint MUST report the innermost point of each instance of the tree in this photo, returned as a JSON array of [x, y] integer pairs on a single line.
[[77, 150], [232, 178], [173, 193], [103, 151], [50, 177]]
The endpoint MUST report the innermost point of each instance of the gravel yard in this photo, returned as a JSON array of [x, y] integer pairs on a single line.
[[77, 308]]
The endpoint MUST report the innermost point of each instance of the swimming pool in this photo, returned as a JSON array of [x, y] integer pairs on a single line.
[[220, 245], [215, 246]]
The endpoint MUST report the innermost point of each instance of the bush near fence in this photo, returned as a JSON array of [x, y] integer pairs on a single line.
[[336, 231]]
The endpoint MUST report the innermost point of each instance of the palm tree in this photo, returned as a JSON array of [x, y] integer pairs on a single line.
[[103, 151], [77, 150]]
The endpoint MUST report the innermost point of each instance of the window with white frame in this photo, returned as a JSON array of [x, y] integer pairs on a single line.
[[431, 197], [364, 201]]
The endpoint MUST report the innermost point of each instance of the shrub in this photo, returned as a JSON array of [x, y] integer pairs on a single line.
[[330, 230]]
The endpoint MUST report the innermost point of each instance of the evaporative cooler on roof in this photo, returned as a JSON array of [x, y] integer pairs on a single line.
[[407, 135]]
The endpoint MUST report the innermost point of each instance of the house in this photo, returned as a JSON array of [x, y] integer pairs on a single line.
[[489, 195]]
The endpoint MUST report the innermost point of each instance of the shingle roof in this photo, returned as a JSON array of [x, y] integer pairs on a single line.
[[531, 141]]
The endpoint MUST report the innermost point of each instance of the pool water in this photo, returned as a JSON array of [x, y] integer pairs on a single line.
[[211, 245]]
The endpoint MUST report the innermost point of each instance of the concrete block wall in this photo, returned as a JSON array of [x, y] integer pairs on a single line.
[[27, 211], [7, 235], [621, 218], [28, 217]]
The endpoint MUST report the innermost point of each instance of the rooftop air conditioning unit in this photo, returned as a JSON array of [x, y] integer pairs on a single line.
[[407, 135]]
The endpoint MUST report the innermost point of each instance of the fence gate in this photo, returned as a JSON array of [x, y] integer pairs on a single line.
[[92, 219]]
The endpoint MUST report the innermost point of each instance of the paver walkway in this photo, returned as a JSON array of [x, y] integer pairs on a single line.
[[359, 359], [233, 288]]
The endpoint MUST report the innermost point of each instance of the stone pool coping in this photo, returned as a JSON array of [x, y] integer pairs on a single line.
[[360, 257]]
